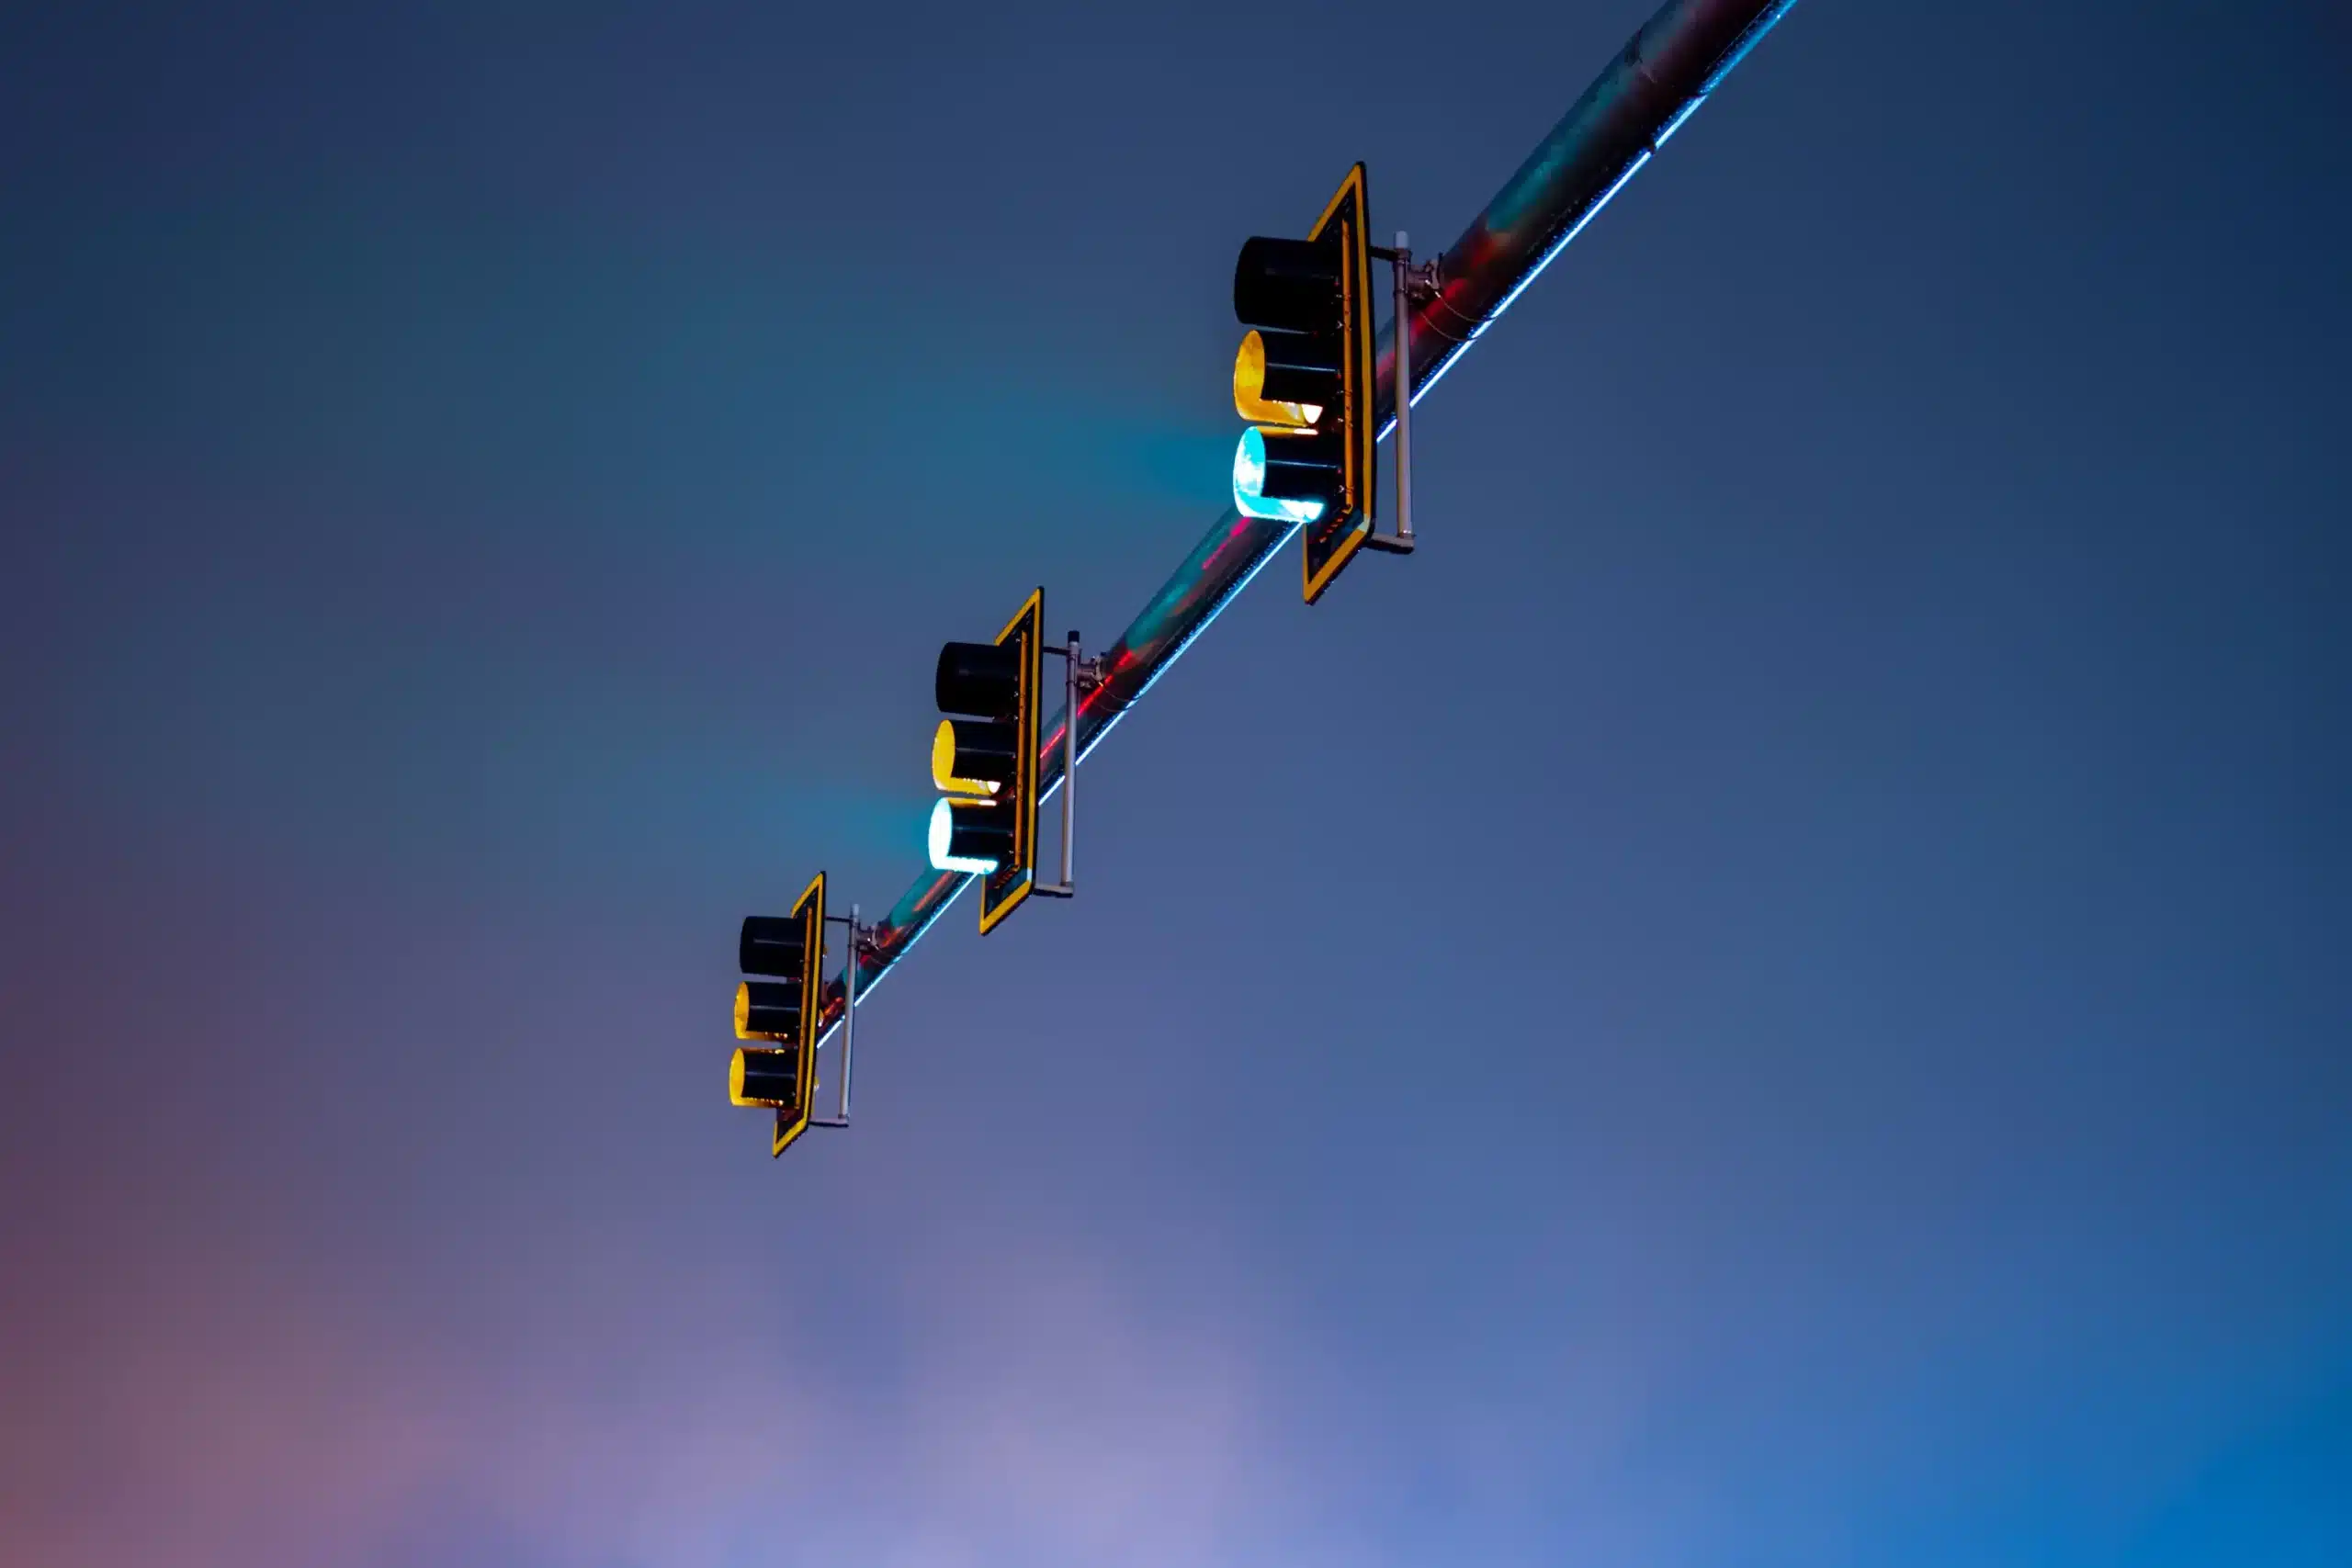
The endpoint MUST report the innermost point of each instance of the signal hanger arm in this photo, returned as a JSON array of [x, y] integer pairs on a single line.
[[1415, 287], [985, 761], [859, 935], [1079, 675], [780, 1011]]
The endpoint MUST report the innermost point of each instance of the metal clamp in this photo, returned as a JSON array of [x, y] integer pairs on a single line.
[[1421, 282]]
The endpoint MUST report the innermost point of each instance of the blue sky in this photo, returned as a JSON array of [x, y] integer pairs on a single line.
[[1773, 996]]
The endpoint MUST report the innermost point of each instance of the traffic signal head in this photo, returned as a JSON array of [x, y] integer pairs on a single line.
[[984, 758], [1303, 378], [782, 1008], [1287, 379]]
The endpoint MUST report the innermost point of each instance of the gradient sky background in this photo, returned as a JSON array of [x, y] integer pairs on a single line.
[[1777, 995]]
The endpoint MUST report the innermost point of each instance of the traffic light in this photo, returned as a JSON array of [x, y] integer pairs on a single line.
[[984, 756], [782, 1009], [1303, 378]]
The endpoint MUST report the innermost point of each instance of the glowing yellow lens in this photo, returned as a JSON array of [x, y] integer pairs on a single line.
[[942, 764], [1250, 390], [742, 1020], [759, 1076]]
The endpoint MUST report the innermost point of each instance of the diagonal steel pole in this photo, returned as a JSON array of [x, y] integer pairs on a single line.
[[1656, 84]]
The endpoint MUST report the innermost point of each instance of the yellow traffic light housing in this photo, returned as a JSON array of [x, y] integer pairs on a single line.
[[984, 760], [782, 1009], [1304, 378]]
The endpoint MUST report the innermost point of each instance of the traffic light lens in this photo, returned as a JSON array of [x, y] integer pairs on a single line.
[[1285, 378], [772, 945], [979, 678], [1290, 284], [761, 1076], [1286, 475], [766, 1011], [973, 756], [971, 836]]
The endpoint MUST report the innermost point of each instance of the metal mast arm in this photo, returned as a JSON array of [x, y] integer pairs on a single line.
[[1655, 83]]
